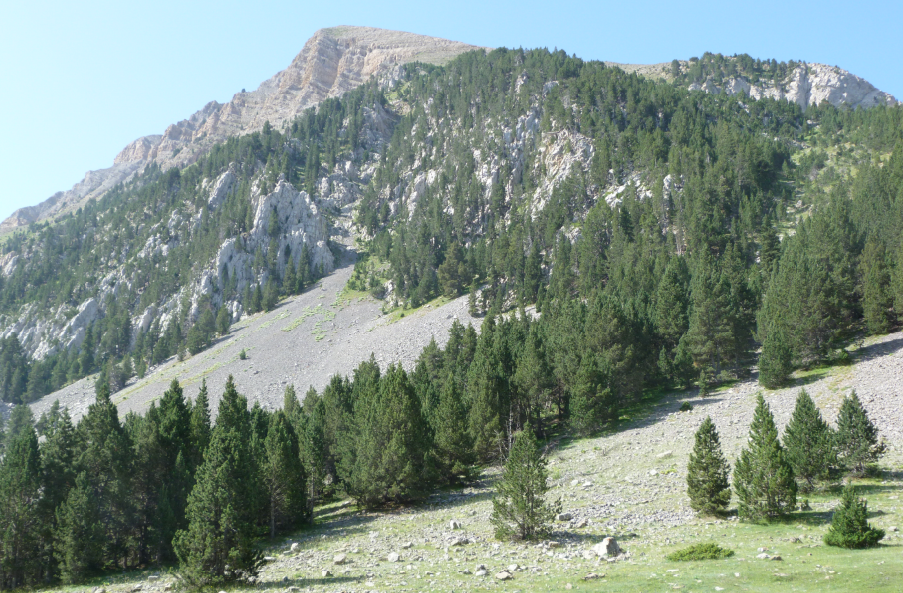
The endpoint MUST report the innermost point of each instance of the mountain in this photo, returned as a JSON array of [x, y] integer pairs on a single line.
[[438, 259], [332, 62]]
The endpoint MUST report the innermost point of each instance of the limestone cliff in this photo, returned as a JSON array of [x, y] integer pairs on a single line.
[[807, 84], [331, 63]]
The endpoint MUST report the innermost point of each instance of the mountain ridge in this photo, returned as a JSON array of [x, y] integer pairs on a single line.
[[333, 61]]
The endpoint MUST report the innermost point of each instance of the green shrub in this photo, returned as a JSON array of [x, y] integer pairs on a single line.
[[849, 525], [686, 407], [700, 552], [243, 355]]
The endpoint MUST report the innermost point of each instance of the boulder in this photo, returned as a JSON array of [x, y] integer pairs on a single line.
[[563, 517], [607, 548], [393, 557], [503, 576], [339, 559]]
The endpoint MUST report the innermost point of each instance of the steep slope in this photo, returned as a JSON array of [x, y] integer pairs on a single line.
[[331, 63]]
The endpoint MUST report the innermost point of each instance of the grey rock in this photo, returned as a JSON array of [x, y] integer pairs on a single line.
[[607, 548]]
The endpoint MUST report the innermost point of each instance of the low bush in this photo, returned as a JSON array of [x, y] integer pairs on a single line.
[[700, 552]]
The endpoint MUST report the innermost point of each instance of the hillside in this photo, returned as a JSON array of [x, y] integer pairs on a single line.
[[642, 504], [348, 316]]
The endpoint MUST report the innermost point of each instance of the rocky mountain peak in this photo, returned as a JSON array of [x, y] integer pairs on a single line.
[[332, 62]]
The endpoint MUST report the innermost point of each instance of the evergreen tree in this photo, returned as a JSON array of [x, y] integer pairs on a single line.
[[857, 438], [217, 546], [776, 360], [519, 508], [391, 461], [707, 472], [200, 427], [284, 476], [79, 535], [809, 442], [849, 525], [763, 480], [874, 286], [223, 321], [452, 444], [22, 520], [105, 459], [20, 422]]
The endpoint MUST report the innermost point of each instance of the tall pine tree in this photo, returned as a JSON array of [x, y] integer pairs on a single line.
[[763, 479]]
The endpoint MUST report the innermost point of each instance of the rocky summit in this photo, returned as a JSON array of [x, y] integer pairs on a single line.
[[332, 62]]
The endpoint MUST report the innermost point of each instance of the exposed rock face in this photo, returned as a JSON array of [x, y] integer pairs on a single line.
[[808, 84], [331, 63]]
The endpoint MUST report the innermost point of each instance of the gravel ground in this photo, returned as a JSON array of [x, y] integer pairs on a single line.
[[305, 341], [629, 484]]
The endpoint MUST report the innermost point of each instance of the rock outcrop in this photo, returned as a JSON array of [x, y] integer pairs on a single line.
[[807, 84], [331, 63]]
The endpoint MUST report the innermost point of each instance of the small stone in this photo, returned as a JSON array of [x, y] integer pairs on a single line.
[[590, 576], [136, 588], [892, 529], [664, 455], [503, 576], [776, 558], [293, 589], [167, 587], [99, 590], [588, 554], [719, 588], [339, 559], [407, 545], [653, 472], [295, 547], [265, 559], [154, 577], [608, 547], [393, 557], [326, 573], [574, 482], [563, 517], [581, 524], [568, 586], [763, 556], [512, 568], [454, 525], [554, 544], [480, 573]]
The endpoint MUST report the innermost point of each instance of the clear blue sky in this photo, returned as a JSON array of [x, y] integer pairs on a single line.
[[80, 80]]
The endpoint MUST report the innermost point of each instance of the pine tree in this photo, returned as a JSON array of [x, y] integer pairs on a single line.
[[105, 459], [809, 442], [707, 472], [519, 508], [849, 525], [284, 476], [763, 480], [390, 461], [20, 422], [78, 538], [776, 360], [874, 286], [217, 546], [857, 438], [452, 444], [200, 427], [223, 321], [22, 520]]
